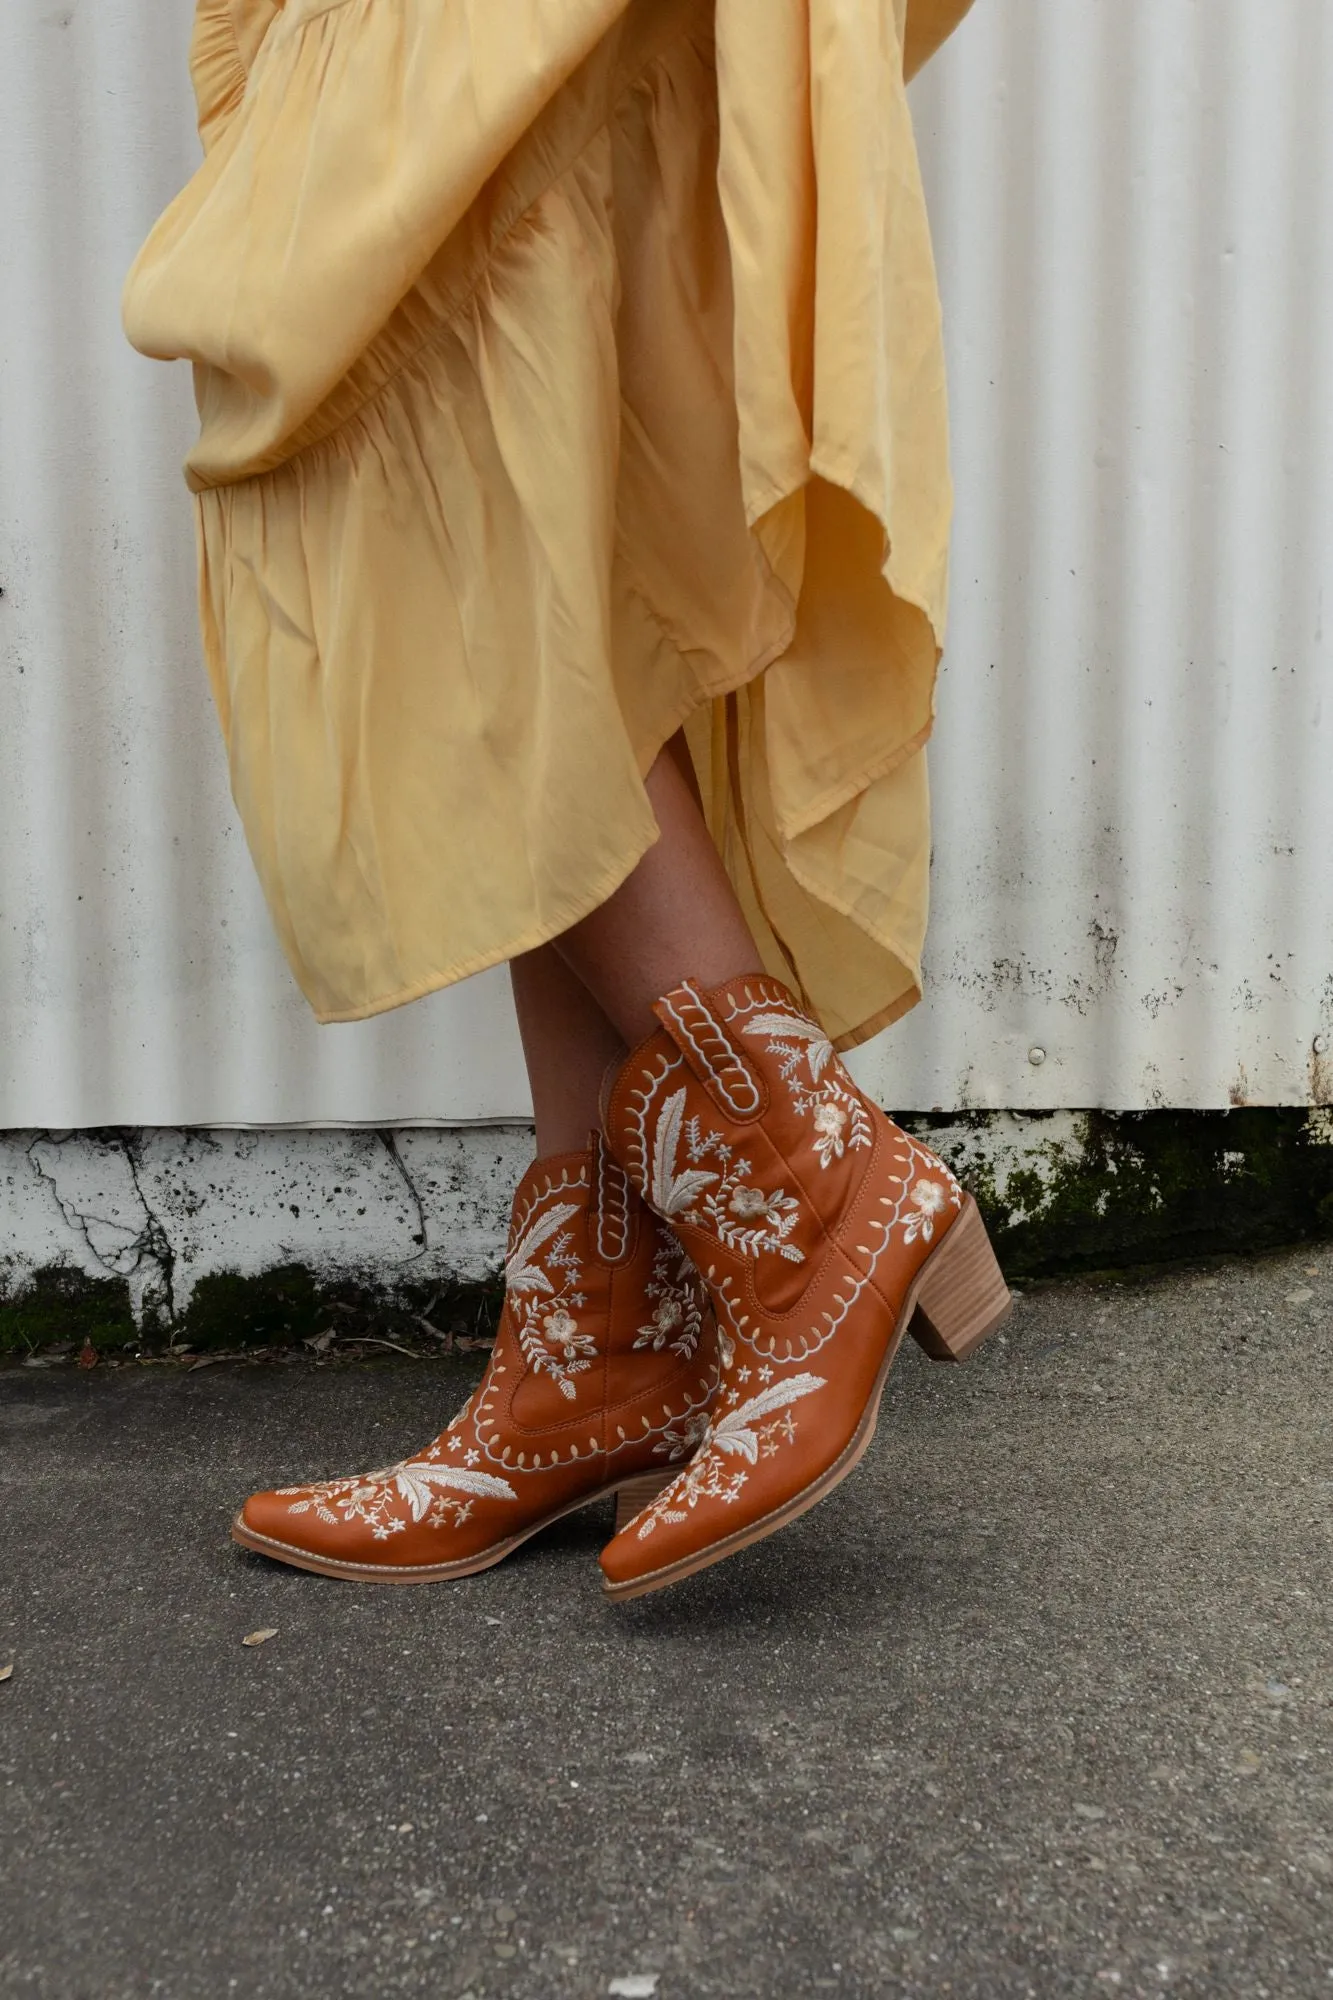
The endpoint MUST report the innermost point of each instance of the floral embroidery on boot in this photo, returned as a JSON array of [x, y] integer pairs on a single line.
[[576, 1401], [820, 1228]]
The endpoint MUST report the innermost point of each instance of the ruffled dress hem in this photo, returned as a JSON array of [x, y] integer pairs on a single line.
[[565, 380]]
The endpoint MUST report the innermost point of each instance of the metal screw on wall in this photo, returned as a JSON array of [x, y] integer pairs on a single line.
[[1036, 1057]]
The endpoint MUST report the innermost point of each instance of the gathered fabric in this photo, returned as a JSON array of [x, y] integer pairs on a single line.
[[568, 372]]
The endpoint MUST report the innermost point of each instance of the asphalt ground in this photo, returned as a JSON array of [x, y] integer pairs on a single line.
[[1039, 1703]]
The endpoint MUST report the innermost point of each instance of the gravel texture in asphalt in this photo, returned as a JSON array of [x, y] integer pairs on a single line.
[[1039, 1703]]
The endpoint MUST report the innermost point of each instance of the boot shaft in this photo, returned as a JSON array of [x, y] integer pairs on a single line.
[[740, 1125], [602, 1303]]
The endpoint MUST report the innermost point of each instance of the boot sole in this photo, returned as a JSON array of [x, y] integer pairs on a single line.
[[633, 1494], [955, 1302]]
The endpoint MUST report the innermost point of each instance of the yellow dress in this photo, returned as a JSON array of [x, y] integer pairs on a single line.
[[568, 371]]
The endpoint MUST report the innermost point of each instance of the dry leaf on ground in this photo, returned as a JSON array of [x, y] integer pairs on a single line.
[[258, 1638], [446, 1340], [5, 1672]]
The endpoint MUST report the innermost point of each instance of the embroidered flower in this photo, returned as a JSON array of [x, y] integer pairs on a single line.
[[561, 1351], [679, 1441], [924, 1203], [668, 1317], [562, 1333], [721, 1201], [819, 1086]]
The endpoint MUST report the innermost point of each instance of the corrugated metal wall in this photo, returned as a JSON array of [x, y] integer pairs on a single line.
[[1134, 215]]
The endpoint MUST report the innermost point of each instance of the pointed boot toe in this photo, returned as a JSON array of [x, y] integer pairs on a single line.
[[297, 1525], [263, 1519]]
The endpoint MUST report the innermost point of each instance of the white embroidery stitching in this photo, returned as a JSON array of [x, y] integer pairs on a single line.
[[544, 1307], [749, 1220], [678, 1295], [736, 1087], [741, 1433], [612, 1208], [834, 1104], [375, 1497]]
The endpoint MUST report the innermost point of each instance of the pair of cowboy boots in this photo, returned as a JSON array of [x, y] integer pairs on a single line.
[[700, 1317]]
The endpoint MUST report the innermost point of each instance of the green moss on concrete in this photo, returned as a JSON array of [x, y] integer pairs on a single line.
[[1128, 1189], [59, 1304], [282, 1307], [289, 1304], [275, 1308], [1149, 1187]]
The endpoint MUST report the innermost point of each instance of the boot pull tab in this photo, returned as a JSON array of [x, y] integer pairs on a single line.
[[611, 1219], [711, 1053]]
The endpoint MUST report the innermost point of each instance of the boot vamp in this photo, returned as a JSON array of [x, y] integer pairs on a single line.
[[432, 1509], [775, 1431]]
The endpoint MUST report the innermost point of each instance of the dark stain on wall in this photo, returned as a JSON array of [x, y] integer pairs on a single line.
[[1142, 1188]]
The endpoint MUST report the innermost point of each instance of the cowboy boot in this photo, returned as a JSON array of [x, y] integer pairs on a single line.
[[602, 1371], [823, 1233]]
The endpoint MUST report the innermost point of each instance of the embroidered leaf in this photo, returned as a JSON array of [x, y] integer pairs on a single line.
[[735, 1432], [819, 1049], [416, 1483], [666, 1140], [673, 1193], [521, 1274]]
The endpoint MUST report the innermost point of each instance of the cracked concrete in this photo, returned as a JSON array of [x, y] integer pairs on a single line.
[[95, 1185], [163, 1209], [421, 1234]]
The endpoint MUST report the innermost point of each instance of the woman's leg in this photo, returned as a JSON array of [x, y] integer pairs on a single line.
[[675, 917], [585, 999], [568, 1044]]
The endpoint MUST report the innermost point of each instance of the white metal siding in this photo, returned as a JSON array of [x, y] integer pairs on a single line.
[[1133, 203]]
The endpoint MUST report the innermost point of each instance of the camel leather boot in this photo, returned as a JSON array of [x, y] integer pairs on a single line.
[[602, 1372], [823, 1233]]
